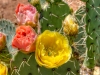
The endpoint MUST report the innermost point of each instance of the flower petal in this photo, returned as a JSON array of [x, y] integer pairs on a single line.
[[52, 49]]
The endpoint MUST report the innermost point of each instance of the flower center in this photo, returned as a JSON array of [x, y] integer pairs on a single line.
[[24, 34], [50, 51]]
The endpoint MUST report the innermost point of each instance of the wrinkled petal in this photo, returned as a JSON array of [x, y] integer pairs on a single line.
[[52, 49], [27, 14], [25, 39]]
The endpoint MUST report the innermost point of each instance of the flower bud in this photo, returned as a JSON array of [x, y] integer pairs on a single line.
[[70, 27], [2, 41]]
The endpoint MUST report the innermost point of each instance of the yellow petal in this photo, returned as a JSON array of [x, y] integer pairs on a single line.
[[3, 69], [52, 49]]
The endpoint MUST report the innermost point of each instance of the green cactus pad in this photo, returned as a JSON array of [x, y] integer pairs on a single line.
[[5, 56], [26, 65], [52, 18], [93, 33], [8, 28]]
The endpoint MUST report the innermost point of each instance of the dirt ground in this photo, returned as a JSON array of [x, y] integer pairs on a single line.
[[7, 8]]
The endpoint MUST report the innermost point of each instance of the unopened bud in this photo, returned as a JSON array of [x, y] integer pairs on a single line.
[[2, 41], [70, 27]]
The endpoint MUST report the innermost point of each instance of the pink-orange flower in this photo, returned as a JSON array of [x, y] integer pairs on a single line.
[[25, 39], [27, 14]]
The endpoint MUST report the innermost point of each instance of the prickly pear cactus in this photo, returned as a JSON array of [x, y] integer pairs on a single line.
[[80, 42], [50, 18], [52, 15], [92, 30], [8, 29]]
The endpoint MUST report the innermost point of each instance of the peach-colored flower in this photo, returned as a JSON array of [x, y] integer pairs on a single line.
[[25, 39]]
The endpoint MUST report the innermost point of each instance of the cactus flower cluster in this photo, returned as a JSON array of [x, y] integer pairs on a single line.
[[50, 54], [39, 44]]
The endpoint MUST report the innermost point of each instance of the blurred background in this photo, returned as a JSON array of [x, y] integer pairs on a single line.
[[7, 7]]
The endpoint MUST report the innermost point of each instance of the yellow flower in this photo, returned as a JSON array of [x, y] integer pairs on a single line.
[[70, 27], [3, 69], [52, 49]]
